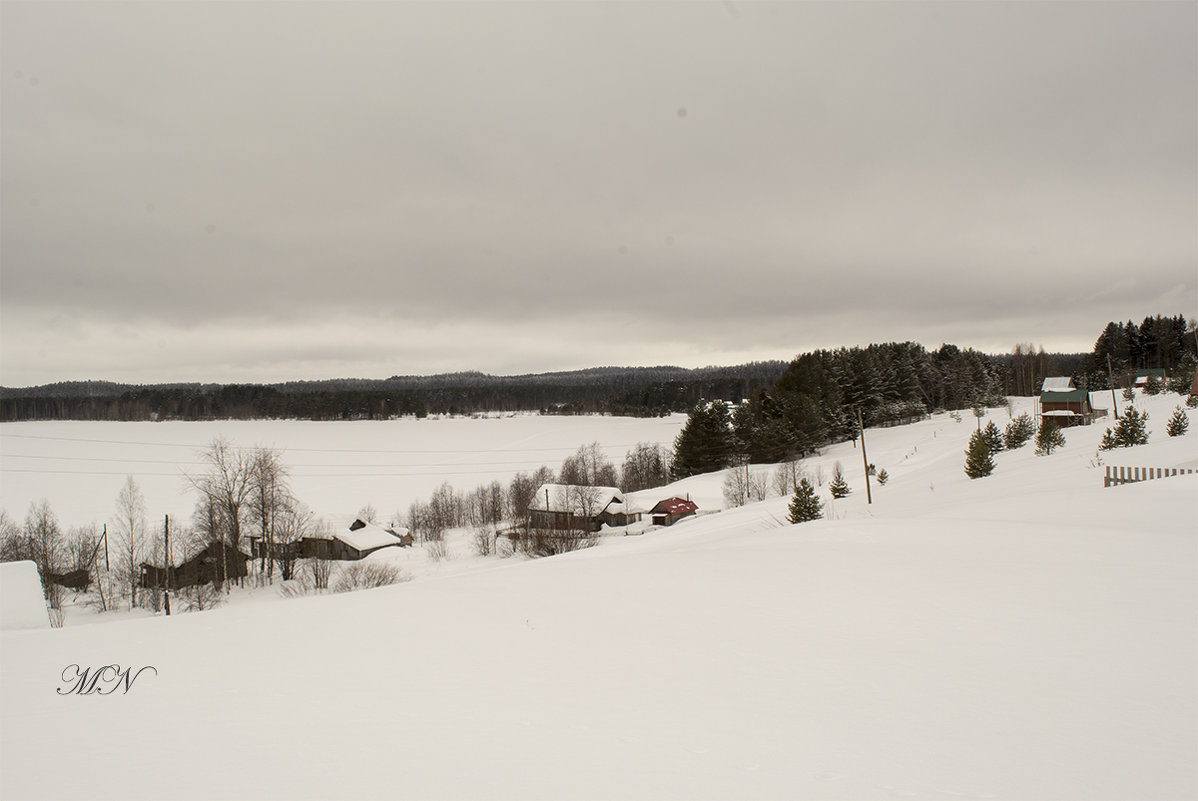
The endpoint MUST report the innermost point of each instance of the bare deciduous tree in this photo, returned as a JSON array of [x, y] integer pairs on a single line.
[[645, 466], [589, 466], [267, 499], [224, 489], [45, 537], [129, 527]]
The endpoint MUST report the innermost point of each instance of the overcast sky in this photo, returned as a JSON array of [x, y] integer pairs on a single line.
[[223, 191]]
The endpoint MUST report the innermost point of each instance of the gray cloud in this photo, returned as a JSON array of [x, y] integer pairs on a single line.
[[558, 185]]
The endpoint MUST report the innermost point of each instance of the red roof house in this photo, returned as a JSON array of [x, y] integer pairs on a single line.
[[671, 510]]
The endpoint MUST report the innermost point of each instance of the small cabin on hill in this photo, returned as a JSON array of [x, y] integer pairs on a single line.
[[1067, 408], [571, 507], [671, 510], [216, 562], [1144, 373], [362, 539]]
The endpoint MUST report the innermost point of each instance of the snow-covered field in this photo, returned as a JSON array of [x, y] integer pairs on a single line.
[[1025, 635]]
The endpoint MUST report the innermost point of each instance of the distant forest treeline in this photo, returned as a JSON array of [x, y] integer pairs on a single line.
[[629, 391], [817, 390]]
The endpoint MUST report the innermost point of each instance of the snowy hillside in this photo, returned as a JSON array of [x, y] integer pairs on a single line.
[[1025, 635]]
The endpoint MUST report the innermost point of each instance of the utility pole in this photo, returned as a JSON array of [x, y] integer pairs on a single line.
[[1111, 377], [166, 545], [865, 459]]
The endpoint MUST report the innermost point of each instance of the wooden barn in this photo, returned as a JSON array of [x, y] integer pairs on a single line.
[[362, 539], [570, 507], [1067, 408], [671, 510], [216, 562]]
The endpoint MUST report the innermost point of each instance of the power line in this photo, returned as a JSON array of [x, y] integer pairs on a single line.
[[293, 475], [304, 450], [202, 464]]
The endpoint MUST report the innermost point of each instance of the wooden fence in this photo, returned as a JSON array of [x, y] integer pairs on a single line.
[[1128, 475]]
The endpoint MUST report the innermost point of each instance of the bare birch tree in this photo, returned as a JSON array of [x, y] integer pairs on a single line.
[[129, 525]]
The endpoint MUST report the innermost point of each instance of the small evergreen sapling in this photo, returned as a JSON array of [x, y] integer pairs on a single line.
[[1153, 386], [838, 486], [992, 437], [804, 504], [882, 477], [1178, 423], [1019, 431], [1049, 438], [978, 463]]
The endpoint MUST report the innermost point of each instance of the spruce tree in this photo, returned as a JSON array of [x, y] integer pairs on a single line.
[[838, 486], [1019, 431], [992, 437], [1178, 423], [1048, 438], [805, 505], [977, 459], [1153, 386], [705, 443], [1108, 441], [883, 476]]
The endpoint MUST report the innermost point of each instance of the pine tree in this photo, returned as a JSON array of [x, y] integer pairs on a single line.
[[1019, 431], [977, 459], [1153, 386], [1178, 423], [992, 437], [838, 486], [1131, 429], [883, 476], [1048, 438], [805, 505]]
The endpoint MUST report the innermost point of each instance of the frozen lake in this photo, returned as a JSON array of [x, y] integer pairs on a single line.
[[336, 467]]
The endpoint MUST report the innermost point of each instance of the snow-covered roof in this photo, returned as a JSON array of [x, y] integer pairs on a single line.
[[674, 506], [1061, 413], [577, 499], [368, 537], [1057, 383]]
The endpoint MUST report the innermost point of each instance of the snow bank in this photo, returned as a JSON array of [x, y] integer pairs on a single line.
[[22, 605]]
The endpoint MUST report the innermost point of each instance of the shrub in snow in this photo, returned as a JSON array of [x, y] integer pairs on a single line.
[[978, 463], [1019, 431], [1130, 430], [804, 505], [366, 575], [1049, 438], [838, 486], [1178, 423]]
